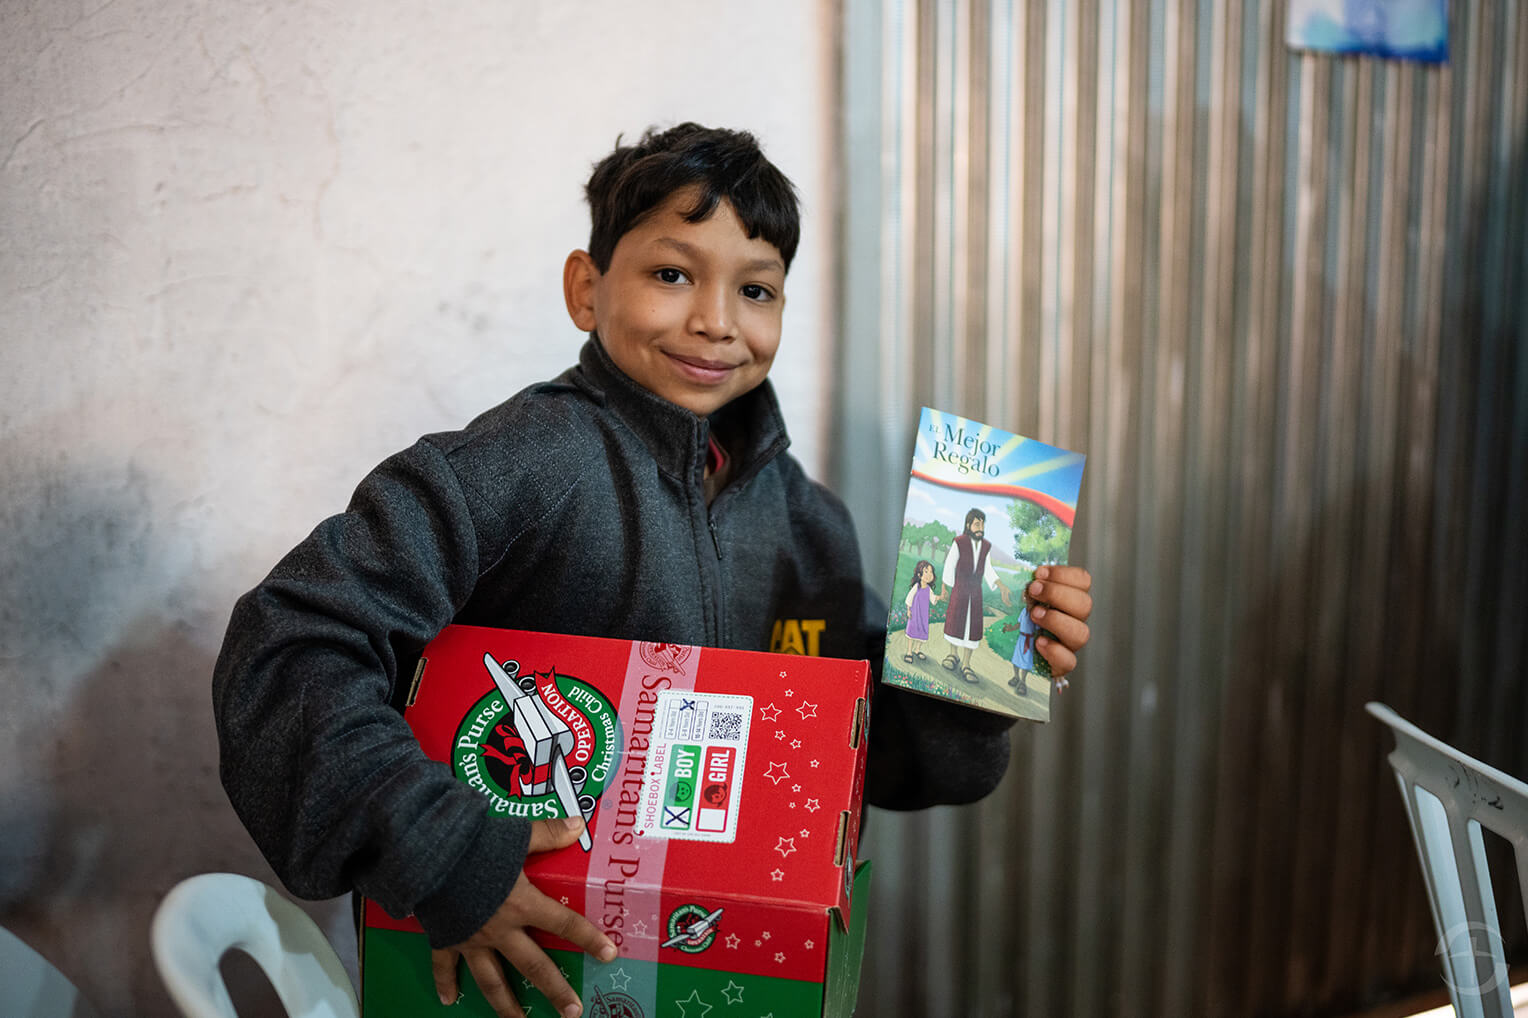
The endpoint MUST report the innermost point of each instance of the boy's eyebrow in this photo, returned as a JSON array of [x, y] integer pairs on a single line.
[[685, 248]]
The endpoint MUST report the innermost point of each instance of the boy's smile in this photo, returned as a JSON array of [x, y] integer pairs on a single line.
[[690, 311]]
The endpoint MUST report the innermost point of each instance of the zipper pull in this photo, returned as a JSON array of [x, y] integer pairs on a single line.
[[715, 541]]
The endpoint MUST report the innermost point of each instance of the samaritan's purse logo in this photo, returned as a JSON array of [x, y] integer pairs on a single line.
[[614, 1005], [541, 745], [691, 928]]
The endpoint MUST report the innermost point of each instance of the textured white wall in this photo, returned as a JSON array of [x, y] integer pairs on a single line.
[[246, 250]]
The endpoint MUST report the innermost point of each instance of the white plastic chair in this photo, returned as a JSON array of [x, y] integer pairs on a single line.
[[30, 986], [206, 916], [1449, 797]]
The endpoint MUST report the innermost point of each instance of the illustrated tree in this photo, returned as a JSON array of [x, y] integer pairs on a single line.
[[927, 540], [1041, 537]]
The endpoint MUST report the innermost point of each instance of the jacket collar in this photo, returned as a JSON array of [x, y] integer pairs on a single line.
[[751, 426]]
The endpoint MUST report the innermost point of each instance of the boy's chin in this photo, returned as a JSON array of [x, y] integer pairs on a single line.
[[704, 404]]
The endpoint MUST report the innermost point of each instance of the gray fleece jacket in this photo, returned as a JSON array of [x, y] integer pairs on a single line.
[[576, 506]]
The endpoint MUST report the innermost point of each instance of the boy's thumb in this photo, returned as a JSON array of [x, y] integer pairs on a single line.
[[557, 832]]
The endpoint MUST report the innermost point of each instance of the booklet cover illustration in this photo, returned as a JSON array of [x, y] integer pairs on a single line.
[[985, 509]]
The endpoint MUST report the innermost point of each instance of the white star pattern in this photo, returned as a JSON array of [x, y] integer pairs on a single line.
[[729, 989], [813, 805], [782, 673], [786, 846], [765, 934], [795, 744], [770, 713], [795, 788], [807, 710], [621, 979], [777, 875], [779, 735], [639, 929], [693, 1000], [779, 957], [732, 941], [789, 693], [814, 763], [772, 776], [807, 945], [805, 833], [566, 900]]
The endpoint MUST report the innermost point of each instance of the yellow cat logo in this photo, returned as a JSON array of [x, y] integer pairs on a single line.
[[797, 636]]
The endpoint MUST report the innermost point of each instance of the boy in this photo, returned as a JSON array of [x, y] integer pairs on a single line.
[[644, 494]]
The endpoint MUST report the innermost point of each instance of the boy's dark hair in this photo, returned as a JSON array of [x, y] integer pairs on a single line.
[[632, 182]]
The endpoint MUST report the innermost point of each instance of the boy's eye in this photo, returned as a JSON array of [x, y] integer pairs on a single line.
[[671, 275], [753, 291]]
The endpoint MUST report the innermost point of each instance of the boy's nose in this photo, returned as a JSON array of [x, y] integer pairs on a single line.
[[711, 314]]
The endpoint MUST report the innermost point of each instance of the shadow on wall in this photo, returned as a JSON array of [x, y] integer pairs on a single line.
[[112, 795]]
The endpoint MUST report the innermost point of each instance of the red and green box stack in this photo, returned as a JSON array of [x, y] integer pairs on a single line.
[[722, 794]]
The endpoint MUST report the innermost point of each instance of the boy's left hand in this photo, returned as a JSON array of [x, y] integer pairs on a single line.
[[506, 936], [1061, 603]]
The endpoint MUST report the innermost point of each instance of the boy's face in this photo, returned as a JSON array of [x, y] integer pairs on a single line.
[[691, 311]]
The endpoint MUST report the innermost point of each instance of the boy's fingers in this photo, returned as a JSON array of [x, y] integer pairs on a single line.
[[1070, 600], [575, 929], [1073, 633], [557, 918], [559, 832], [507, 935], [1070, 576], [443, 967], [1062, 661], [484, 963], [537, 966]]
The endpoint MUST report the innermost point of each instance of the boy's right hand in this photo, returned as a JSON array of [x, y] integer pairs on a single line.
[[507, 933]]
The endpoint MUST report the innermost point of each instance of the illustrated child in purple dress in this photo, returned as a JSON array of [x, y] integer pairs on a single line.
[[920, 597]]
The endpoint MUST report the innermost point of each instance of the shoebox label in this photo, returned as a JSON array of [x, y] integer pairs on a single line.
[[693, 782]]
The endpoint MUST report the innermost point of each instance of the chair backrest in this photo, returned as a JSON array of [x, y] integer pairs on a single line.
[[206, 916], [1449, 797], [30, 987]]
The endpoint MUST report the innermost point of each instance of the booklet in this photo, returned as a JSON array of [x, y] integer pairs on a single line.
[[985, 509]]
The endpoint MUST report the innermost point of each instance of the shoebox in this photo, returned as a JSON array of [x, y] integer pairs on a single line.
[[721, 791]]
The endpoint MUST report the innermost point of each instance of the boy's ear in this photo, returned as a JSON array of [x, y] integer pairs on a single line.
[[579, 278]]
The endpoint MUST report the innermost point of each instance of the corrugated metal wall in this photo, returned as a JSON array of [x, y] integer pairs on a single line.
[[1279, 299]]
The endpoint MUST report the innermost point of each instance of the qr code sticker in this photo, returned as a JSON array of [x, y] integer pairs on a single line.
[[726, 726]]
